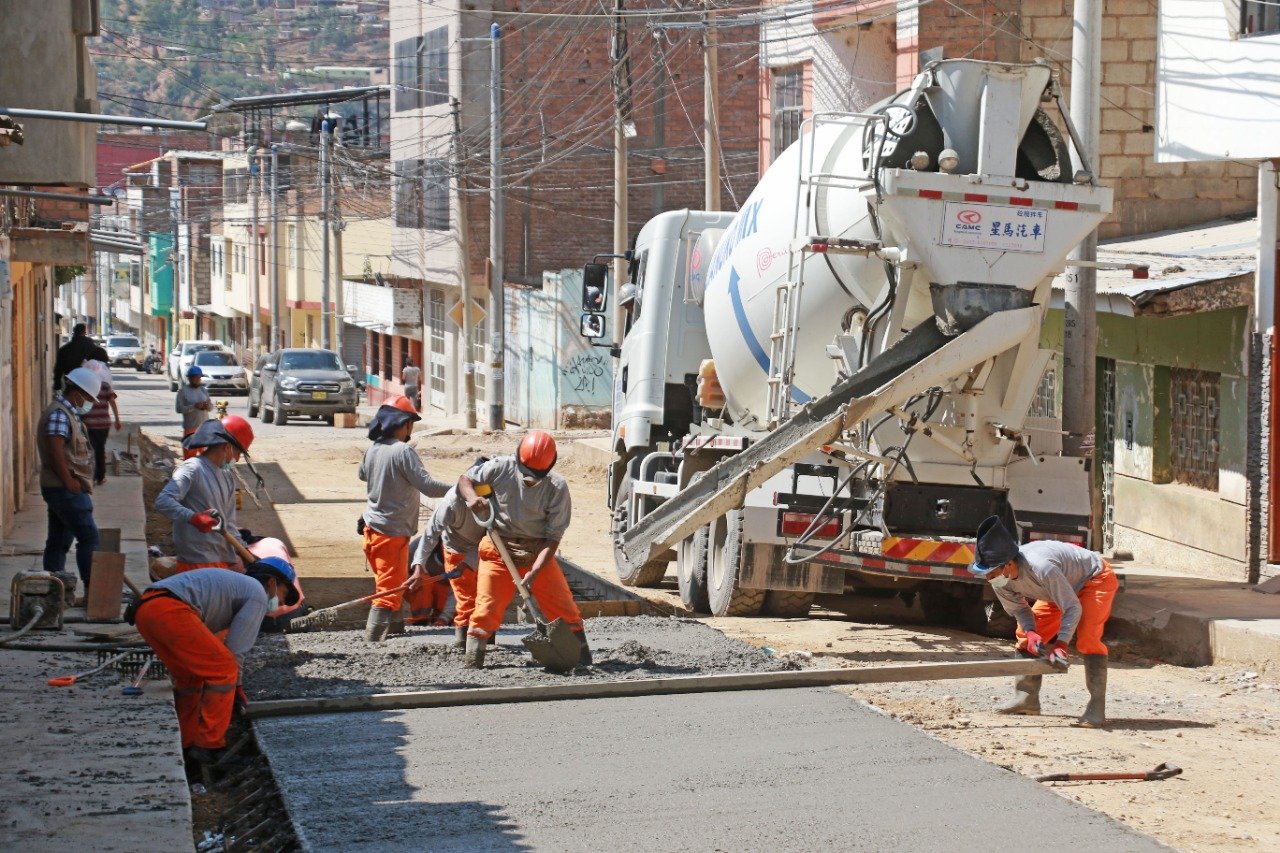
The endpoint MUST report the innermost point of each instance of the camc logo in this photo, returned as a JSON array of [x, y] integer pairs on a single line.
[[969, 217]]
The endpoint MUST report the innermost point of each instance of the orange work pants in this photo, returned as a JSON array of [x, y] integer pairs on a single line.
[[428, 601], [495, 589], [1096, 598], [464, 587], [388, 557], [203, 669]]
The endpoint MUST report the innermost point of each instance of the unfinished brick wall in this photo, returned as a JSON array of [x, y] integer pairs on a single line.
[[1148, 196]]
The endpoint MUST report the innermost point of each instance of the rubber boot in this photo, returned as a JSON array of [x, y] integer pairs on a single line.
[[1095, 678], [584, 657], [473, 657], [1026, 696], [375, 630], [459, 637]]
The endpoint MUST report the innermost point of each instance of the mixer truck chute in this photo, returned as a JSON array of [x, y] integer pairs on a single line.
[[830, 389]]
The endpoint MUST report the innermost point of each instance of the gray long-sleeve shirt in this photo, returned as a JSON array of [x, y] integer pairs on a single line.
[[397, 480], [1049, 571], [196, 486], [185, 404], [541, 511], [453, 523], [224, 599]]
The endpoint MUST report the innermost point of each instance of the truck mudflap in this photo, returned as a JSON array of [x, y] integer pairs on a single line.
[[918, 558]]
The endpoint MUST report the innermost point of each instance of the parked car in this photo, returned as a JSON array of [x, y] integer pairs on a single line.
[[181, 356], [310, 382], [125, 349], [222, 371]]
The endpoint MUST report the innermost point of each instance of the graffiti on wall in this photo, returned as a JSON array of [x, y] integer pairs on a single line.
[[588, 373]]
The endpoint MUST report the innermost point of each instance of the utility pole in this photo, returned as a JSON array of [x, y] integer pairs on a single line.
[[338, 226], [325, 321], [621, 119], [1080, 324], [711, 108], [464, 270], [277, 339], [255, 280], [497, 234]]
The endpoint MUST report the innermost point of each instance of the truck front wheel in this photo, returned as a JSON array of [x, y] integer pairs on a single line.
[[725, 553], [649, 574]]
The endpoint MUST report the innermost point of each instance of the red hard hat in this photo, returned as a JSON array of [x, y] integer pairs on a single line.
[[239, 431], [537, 451], [403, 403]]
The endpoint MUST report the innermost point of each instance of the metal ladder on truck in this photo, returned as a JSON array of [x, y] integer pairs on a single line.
[[787, 297]]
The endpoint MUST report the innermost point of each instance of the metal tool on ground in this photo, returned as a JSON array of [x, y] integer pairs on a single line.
[[68, 680], [134, 687], [680, 684], [329, 615], [551, 644], [1163, 770]]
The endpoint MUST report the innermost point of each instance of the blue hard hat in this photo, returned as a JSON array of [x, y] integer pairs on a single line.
[[281, 570], [285, 567], [194, 370]]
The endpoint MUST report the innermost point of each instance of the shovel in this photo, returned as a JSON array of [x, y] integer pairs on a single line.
[[1163, 770], [551, 644], [68, 680]]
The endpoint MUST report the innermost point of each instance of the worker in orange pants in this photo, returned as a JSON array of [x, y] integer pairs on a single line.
[[533, 513], [396, 479], [179, 618], [450, 544], [1073, 590]]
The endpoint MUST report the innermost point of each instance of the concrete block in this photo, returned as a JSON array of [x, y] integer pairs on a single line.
[[1135, 26], [1219, 188], [1109, 143], [1131, 73], [1125, 167], [1141, 144], [1143, 50], [345, 420], [1115, 50], [1174, 189]]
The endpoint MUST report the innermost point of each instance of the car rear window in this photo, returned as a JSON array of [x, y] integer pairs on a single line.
[[123, 342], [203, 347], [310, 361], [215, 358]]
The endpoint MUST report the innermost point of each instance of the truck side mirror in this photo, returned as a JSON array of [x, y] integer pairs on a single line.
[[595, 287], [591, 326]]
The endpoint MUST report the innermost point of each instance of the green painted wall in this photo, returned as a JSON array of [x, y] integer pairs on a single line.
[[1214, 340]]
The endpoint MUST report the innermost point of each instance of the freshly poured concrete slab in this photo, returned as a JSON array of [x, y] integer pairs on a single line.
[[770, 770]]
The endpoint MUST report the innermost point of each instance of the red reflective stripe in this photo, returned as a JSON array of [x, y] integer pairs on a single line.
[[1023, 202], [930, 193], [975, 197], [1066, 205], [945, 551]]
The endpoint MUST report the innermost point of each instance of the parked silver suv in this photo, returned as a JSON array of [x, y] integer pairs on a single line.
[[309, 382]]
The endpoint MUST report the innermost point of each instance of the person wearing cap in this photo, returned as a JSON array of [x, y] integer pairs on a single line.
[[180, 616], [200, 485], [193, 403], [396, 480], [1072, 588], [66, 474], [453, 530], [533, 513]]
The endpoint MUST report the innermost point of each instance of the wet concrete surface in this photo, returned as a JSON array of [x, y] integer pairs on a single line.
[[339, 663], [767, 770]]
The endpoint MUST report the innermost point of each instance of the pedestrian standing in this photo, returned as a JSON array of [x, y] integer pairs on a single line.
[[100, 419], [533, 514], [1072, 588], [411, 378], [76, 352], [180, 618], [66, 474], [193, 404], [454, 530], [202, 485], [396, 480]]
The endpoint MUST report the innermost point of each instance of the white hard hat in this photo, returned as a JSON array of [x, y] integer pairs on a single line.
[[103, 372], [86, 380]]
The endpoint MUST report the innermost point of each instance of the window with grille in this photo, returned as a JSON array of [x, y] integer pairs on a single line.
[[479, 335], [1193, 434], [1259, 17], [422, 194], [405, 68], [1045, 403], [788, 107], [421, 67], [375, 354], [437, 358]]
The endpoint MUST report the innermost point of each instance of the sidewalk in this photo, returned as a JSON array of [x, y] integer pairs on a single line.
[[89, 767]]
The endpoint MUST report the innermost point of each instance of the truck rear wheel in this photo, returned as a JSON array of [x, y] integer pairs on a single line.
[[940, 605], [691, 570], [651, 573], [725, 553], [987, 618], [787, 604]]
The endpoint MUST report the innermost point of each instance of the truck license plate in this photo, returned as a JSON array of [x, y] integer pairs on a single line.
[[319, 395]]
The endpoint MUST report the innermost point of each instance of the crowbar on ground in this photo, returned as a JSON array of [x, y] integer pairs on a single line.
[[1163, 770], [652, 687]]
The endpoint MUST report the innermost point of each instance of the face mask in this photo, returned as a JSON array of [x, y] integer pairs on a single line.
[[272, 603], [226, 466], [84, 408], [1000, 582], [530, 482]]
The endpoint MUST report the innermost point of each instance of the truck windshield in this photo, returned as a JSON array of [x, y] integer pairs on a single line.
[[310, 361]]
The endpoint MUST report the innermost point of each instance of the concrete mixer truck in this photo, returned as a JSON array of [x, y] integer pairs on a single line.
[[827, 392]]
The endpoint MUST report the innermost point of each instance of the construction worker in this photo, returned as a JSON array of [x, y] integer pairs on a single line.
[[455, 531], [193, 404], [202, 484], [1073, 589], [274, 552], [533, 510], [66, 475], [396, 481], [179, 618]]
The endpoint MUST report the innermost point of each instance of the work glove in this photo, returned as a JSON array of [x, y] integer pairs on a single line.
[[1058, 655], [1035, 645], [242, 699], [204, 522]]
